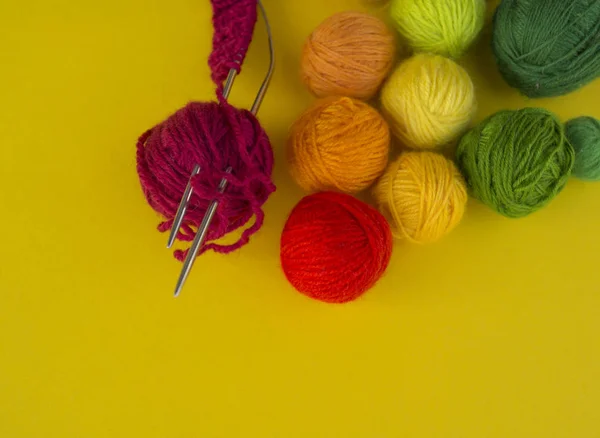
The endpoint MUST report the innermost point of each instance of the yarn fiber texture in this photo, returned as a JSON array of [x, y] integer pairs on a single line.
[[424, 194], [444, 27], [429, 101], [349, 54], [214, 136], [338, 143], [233, 23], [516, 161], [547, 48], [584, 135], [334, 247]]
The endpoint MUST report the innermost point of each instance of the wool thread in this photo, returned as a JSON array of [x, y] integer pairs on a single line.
[[429, 101], [233, 24], [547, 48], [334, 247], [423, 194], [584, 135], [349, 54], [516, 162], [215, 136], [443, 27], [338, 143]]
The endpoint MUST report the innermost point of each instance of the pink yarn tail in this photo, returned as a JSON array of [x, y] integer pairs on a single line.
[[226, 249]]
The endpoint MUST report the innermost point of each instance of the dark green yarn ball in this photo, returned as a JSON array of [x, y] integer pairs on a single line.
[[516, 161], [547, 48], [584, 135]]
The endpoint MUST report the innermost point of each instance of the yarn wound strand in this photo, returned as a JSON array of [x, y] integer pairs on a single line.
[[547, 48], [233, 22], [214, 136]]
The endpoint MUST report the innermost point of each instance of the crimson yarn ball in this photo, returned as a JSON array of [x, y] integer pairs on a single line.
[[214, 136], [335, 247]]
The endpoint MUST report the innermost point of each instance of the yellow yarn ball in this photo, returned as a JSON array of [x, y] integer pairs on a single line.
[[445, 27], [423, 194], [349, 54], [339, 143], [429, 101]]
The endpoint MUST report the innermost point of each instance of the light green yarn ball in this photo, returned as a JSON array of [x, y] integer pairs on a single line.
[[443, 27], [584, 135]]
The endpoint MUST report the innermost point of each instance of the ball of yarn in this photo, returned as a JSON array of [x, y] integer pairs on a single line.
[[339, 143], [547, 47], [429, 101], [424, 194], [584, 135], [214, 136], [516, 161], [334, 247], [444, 27], [349, 54]]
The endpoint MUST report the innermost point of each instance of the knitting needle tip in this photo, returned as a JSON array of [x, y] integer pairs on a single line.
[[185, 199], [200, 237]]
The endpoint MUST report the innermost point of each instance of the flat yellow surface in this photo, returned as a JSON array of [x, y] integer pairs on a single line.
[[491, 333]]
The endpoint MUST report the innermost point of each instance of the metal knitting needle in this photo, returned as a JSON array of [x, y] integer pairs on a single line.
[[209, 215], [200, 237], [187, 194]]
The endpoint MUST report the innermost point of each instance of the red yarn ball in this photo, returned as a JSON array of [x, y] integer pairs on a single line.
[[335, 247]]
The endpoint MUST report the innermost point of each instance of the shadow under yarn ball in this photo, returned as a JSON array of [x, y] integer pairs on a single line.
[[338, 143], [516, 161], [349, 54], [334, 247], [547, 48]]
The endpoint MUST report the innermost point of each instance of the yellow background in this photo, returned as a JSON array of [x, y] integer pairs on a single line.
[[493, 332]]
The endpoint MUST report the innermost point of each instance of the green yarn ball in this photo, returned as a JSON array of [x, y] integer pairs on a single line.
[[547, 47], [584, 135], [516, 161]]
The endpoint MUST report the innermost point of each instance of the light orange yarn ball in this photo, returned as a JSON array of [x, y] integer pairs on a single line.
[[349, 54], [423, 194], [429, 101], [339, 143]]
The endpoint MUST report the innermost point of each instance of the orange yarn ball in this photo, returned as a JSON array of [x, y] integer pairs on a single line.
[[339, 143], [349, 54]]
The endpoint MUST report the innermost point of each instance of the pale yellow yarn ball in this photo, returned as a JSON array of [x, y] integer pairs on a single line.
[[424, 196], [429, 101]]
